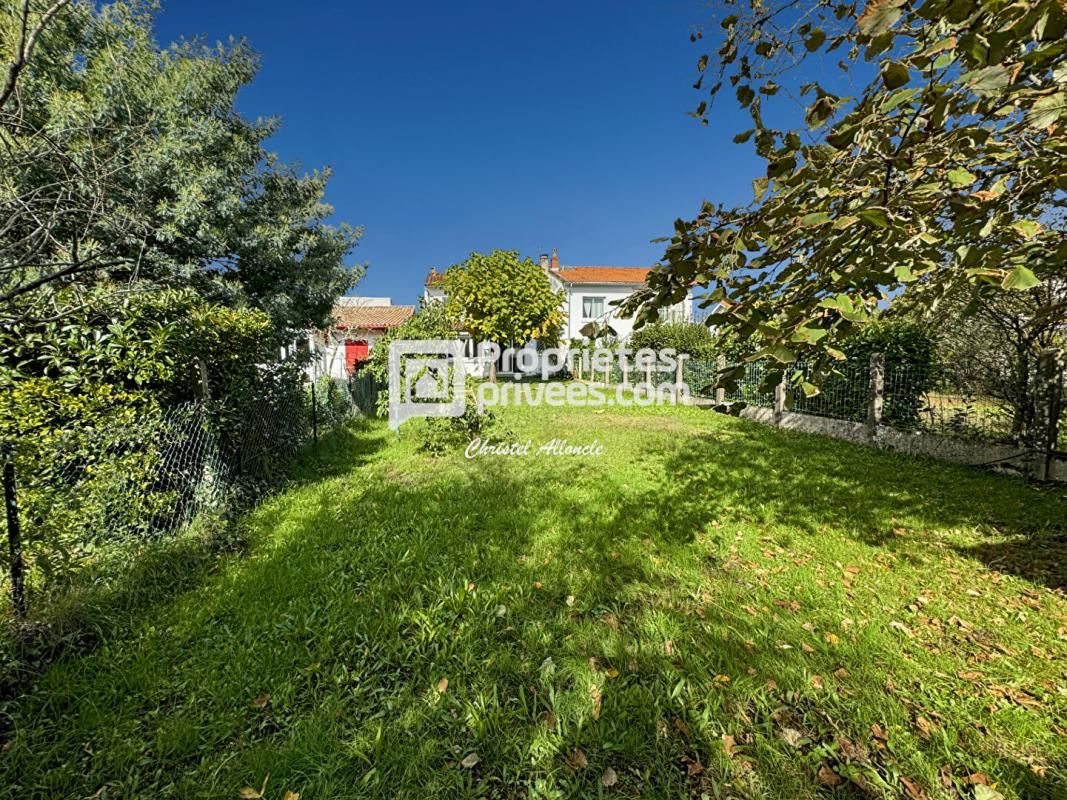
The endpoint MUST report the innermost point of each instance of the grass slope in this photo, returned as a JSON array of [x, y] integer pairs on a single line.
[[711, 608]]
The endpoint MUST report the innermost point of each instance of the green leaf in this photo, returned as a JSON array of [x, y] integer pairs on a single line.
[[894, 75], [1047, 111], [1027, 228], [875, 217], [743, 137], [815, 40], [898, 97], [989, 81], [960, 178], [817, 218], [1020, 278]]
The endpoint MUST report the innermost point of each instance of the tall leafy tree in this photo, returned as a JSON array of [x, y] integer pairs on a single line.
[[928, 161], [503, 298], [124, 164]]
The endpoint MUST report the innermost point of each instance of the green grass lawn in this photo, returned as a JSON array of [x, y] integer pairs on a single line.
[[711, 608]]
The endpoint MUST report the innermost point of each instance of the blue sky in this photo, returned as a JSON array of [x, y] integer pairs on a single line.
[[461, 126]]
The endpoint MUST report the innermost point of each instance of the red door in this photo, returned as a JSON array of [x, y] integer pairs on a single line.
[[355, 352]]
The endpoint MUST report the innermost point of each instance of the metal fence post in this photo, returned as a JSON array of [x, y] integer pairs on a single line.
[[679, 376], [17, 570], [314, 416], [1049, 399], [720, 368], [876, 397], [625, 371]]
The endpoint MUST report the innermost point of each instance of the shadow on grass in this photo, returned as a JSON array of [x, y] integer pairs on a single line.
[[1040, 558], [108, 596], [561, 606]]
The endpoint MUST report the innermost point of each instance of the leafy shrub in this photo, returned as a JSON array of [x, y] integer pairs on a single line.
[[691, 338], [88, 413], [431, 322], [439, 435]]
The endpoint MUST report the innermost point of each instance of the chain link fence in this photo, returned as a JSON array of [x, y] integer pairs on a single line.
[[919, 397], [151, 476]]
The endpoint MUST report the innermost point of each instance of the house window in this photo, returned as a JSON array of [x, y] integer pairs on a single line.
[[592, 307]]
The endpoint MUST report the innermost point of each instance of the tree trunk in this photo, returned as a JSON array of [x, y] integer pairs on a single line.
[[14, 543]]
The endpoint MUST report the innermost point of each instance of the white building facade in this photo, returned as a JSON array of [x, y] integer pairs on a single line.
[[588, 297]]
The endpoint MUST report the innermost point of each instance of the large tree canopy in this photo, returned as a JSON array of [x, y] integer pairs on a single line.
[[930, 158], [124, 164], [503, 298]]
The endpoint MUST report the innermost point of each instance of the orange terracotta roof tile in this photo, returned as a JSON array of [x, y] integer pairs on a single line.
[[631, 275], [371, 317]]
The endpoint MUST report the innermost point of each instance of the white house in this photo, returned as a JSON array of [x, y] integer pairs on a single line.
[[588, 293], [358, 323]]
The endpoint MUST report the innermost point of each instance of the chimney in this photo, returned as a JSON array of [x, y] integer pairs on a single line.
[[544, 260], [555, 260]]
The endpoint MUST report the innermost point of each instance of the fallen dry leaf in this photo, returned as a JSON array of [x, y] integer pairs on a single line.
[[668, 647], [728, 744], [442, 686], [816, 681], [913, 790], [248, 793], [577, 760], [827, 777], [609, 778], [791, 736], [262, 700], [291, 795], [470, 761], [694, 768], [925, 726]]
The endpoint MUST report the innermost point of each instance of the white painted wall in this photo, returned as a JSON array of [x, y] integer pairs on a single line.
[[573, 307]]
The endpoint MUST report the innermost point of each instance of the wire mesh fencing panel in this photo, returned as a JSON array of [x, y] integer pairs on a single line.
[[748, 385], [845, 394], [145, 474], [364, 391], [932, 398], [700, 376]]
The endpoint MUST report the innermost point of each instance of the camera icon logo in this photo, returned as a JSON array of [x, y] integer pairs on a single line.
[[426, 379]]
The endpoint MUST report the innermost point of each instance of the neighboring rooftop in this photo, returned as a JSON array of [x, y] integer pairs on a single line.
[[434, 278], [381, 318], [627, 275]]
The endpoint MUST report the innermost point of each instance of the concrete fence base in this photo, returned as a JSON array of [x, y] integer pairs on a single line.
[[1002, 457]]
